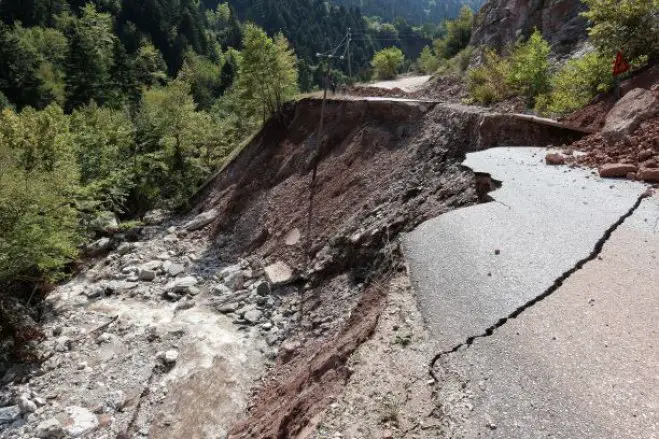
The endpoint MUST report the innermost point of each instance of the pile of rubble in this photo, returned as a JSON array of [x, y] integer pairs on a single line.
[[628, 144], [146, 316]]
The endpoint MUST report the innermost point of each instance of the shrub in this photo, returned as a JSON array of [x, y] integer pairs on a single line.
[[529, 67], [628, 25], [388, 62], [428, 62], [458, 34], [38, 177], [577, 83], [487, 83], [457, 65]]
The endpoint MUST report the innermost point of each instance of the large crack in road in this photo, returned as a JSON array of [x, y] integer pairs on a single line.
[[599, 245]]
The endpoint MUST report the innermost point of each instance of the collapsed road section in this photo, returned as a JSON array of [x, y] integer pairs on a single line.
[[164, 336]]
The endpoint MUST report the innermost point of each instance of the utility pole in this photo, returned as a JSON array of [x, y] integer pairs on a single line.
[[316, 153], [349, 60]]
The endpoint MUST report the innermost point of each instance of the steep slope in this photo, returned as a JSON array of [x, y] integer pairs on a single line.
[[501, 22]]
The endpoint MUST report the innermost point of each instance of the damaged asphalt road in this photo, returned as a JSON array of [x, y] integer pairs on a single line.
[[579, 360]]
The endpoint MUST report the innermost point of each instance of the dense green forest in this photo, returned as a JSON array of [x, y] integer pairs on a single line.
[[115, 107], [416, 12]]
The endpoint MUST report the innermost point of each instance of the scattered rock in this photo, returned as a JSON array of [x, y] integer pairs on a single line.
[[292, 237], [173, 269], [228, 271], [184, 285], [147, 275], [168, 358], [279, 273], [649, 175], [104, 222], [50, 429], [555, 158], [253, 316], [201, 220], [125, 248], [80, 421], [616, 170], [25, 405], [184, 304], [99, 246], [227, 308], [221, 290], [156, 216], [263, 288], [235, 280], [9, 414]]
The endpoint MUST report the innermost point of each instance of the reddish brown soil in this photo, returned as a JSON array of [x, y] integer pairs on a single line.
[[592, 116], [312, 379], [383, 168], [640, 149]]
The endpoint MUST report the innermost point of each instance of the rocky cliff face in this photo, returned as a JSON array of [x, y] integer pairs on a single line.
[[500, 22]]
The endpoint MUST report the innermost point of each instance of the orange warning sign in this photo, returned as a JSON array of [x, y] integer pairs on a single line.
[[620, 66]]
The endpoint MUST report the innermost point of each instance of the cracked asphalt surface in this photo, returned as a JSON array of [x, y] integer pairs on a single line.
[[582, 363]]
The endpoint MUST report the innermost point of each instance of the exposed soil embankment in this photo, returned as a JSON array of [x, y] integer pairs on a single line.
[[383, 167]]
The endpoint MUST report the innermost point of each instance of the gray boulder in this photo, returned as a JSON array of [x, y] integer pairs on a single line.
[[637, 106], [201, 220]]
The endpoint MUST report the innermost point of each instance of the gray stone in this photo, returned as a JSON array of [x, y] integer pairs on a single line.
[[125, 248], [173, 269], [50, 429], [263, 288], [105, 221], [184, 304], [201, 220], [26, 405], [279, 273], [9, 414], [184, 285], [147, 275], [169, 357], [99, 246], [80, 421], [155, 216], [227, 308], [253, 316], [221, 290], [227, 271], [234, 280], [152, 265]]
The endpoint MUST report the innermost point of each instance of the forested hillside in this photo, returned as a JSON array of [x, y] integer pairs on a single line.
[[413, 11], [115, 107]]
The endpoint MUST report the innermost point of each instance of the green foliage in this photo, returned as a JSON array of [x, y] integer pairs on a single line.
[[267, 72], [525, 73], [456, 66], [204, 77], [104, 139], [176, 146], [90, 57], [38, 225], [149, 65], [428, 62], [387, 62], [458, 34], [631, 26], [577, 83], [529, 67], [487, 83]]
